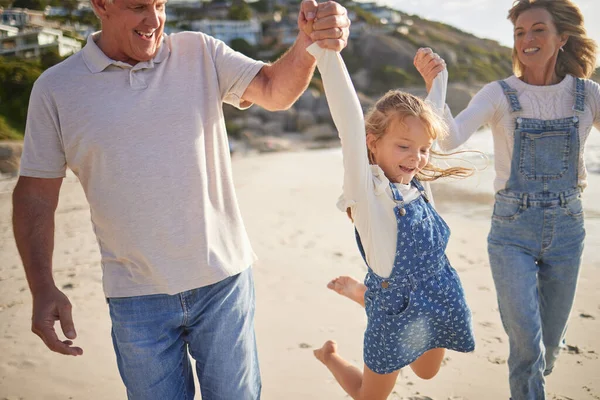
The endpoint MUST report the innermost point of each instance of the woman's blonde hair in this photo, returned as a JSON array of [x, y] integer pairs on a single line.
[[398, 105], [578, 57]]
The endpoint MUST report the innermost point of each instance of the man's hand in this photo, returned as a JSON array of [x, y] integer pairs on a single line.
[[327, 24], [429, 64], [50, 305]]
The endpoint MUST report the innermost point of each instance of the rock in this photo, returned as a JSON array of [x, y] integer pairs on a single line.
[[459, 95], [308, 100], [382, 50], [365, 101], [267, 144], [321, 132], [305, 120], [251, 122], [361, 79], [10, 157], [322, 113], [273, 128]]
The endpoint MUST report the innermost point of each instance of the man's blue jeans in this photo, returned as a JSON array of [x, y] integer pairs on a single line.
[[153, 334], [535, 254]]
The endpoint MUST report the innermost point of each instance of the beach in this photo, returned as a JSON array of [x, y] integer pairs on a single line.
[[302, 241]]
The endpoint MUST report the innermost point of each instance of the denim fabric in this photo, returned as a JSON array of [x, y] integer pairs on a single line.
[[152, 336], [535, 244], [421, 305]]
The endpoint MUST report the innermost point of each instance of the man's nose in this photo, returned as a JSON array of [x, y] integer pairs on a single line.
[[153, 18]]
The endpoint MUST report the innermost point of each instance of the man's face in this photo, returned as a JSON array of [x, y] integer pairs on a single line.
[[134, 28]]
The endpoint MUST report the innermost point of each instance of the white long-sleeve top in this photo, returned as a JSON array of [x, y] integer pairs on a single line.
[[490, 106], [366, 189]]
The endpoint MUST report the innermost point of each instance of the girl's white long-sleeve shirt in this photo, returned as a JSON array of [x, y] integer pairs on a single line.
[[490, 106], [365, 189]]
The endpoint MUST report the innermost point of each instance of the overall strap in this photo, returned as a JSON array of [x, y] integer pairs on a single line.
[[396, 193], [420, 188], [579, 105], [511, 95], [360, 246]]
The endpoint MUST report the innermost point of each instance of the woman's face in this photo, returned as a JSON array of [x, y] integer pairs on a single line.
[[537, 42]]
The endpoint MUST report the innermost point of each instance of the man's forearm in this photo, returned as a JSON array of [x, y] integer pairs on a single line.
[[289, 76], [33, 225]]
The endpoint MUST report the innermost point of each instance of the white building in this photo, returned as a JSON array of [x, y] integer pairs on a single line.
[[34, 42], [7, 30], [228, 30], [20, 17]]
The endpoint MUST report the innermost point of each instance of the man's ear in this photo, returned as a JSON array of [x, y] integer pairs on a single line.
[[99, 6]]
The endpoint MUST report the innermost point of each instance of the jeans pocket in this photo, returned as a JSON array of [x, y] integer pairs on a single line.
[[574, 208], [506, 210], [395, 302], [426, 235], [544, 155]]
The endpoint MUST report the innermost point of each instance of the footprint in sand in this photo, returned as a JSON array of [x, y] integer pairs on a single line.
[[467, 259], [586, 316], [495, 339], [496, 360], [417, 398], [590, 391], [310, 245], [25, 364], [574, 349]]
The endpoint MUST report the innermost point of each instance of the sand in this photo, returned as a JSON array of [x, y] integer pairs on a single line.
[[302, 240]]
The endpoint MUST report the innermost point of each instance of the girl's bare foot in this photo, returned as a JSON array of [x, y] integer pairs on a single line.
[[349, 287], [323, 354]]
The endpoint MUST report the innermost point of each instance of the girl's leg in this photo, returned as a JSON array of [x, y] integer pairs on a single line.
[[366, 385], [428, 365], [350, 288]]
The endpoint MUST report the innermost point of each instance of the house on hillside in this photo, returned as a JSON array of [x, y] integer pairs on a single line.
[[21, 17], [227, 30], [34, 42]]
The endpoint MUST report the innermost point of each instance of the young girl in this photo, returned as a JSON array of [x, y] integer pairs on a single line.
[[413, 298]]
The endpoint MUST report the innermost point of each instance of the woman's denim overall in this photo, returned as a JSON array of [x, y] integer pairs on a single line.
[[421, 305], [535, 243]]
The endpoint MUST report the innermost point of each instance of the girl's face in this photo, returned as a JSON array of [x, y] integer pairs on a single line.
[[536, 40], [403, 150]]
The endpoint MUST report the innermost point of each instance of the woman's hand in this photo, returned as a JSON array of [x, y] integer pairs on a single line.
[[429, 64]]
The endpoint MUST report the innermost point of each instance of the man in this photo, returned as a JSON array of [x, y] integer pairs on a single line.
[[137, 116]]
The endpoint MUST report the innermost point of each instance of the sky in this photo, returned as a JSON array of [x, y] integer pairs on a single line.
[[486, 18]]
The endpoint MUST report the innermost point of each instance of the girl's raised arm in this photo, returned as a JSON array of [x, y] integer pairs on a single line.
[[348, 117]]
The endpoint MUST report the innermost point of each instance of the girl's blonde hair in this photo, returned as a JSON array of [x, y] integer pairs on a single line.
[[578, 57], [398, 105]]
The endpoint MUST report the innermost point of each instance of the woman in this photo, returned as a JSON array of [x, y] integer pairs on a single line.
[[540, 119]]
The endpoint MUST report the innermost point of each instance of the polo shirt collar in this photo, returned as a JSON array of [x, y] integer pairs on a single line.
[[97, 61]]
